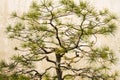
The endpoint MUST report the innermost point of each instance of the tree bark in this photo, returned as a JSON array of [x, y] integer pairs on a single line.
[[58, 68]]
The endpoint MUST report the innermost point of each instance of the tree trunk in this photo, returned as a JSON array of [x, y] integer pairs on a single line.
[[58, 68]]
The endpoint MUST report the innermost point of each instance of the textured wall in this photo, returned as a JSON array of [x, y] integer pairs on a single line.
[[7, 6]]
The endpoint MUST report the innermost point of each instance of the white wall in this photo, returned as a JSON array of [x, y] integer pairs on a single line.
[[7, 6]]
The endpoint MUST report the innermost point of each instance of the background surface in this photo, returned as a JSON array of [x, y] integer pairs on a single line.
[[8, 6]]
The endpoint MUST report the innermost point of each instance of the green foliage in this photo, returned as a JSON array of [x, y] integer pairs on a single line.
[[47, 77], [102, 55], [14, 77], [68, 77], [3, 64], [21, 60], [14, 14], [63, 29], [83, 5]]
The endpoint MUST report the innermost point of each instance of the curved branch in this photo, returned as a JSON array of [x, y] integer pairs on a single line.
[[40, 59]]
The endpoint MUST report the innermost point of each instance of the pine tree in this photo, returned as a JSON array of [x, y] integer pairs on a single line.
[[65, 30]]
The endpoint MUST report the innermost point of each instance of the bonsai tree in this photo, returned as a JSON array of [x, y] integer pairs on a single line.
[[62, 34]]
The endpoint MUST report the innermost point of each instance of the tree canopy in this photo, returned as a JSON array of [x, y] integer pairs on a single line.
[[68, 32]]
